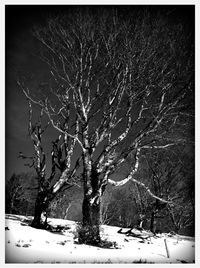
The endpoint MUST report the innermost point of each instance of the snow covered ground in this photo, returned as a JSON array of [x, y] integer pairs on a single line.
[[25, 244]]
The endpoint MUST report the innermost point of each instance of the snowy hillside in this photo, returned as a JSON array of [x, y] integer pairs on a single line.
[[25, 244]]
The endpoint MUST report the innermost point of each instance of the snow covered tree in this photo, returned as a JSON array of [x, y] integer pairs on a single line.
[[126, 80], [62, 173]]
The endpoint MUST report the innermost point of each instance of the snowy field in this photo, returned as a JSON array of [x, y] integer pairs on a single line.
[[25, 244]]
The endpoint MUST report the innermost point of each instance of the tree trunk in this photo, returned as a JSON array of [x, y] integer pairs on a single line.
[[41, 205], [153, 222], [140, 220], [90, 233]]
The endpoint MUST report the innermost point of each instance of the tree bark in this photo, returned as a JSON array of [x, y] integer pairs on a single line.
[[41, 206], [91, 221], [90, 233]]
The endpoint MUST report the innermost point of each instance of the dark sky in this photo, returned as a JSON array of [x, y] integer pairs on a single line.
[[21, 57], [20, 50]]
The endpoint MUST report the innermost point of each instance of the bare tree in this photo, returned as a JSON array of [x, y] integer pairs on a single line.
[[166, 177], [181, 217], [124, 81], [14, 193], [49, 186], [19, 188]]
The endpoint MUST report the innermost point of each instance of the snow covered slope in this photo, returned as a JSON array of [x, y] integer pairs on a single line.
[[25, 244]]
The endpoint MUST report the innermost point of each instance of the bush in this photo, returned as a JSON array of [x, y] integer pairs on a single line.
[[88, 235]]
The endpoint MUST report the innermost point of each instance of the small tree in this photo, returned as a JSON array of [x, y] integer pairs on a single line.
[[164, 173], [14, 194], [183, 210], [126, 82], [49, 186]]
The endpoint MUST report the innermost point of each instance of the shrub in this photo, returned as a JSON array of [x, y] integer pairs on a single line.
[[88, 235]]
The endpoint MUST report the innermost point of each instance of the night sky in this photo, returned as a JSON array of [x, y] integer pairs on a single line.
[[20, 57], [21, 50]]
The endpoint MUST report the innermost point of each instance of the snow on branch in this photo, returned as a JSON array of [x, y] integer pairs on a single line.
[[66, 177], [125, 133], [44, 106], [133, 171], [158, 146], [35, 132], [130, 178]]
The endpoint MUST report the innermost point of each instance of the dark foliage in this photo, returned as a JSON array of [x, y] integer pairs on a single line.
[[20, 192], [88, 235]]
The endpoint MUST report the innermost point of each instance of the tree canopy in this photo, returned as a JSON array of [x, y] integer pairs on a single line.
[[119, 86]]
